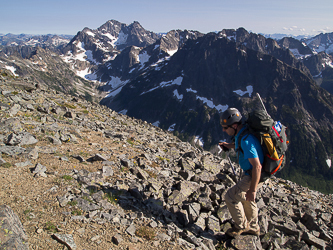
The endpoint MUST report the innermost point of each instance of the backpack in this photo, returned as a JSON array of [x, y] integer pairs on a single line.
[[273, 139]]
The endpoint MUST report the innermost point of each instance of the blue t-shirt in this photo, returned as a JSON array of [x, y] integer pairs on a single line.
[[251, 148]]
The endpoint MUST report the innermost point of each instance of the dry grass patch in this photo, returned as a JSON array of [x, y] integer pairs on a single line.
[[146, 232]]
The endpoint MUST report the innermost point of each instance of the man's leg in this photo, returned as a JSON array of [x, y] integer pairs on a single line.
[[234, 198], [251, 213]]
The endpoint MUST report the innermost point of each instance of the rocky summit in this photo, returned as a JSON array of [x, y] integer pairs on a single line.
[[78, 175]]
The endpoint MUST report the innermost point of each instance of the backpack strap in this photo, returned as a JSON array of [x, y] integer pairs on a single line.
[[245, 133]]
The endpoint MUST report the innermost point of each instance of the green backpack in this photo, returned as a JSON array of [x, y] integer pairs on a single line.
[[273, 139]]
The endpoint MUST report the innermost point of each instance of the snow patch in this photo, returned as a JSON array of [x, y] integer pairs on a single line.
[[249, 90], [101, 46], [83, 73], [298, 55], [198, 140], [12, 69], [88, 32], [328, 62], [123, 112], [81, 55], [143, 58], [88, 75], [116, 84], [172, 127], [176, 94], [172, 52], [113, 93], [158, 65], [68, 57], [191, 90], [295, 53], [177, 81], [210, 104], [121, 39], [329, 163], [232, 38], [32, 42], [90, 57], [108, 35], [156, 124]]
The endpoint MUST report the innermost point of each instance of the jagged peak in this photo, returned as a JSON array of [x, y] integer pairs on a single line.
[[135, 24], [112, 22], [111, 26], [86, 29]]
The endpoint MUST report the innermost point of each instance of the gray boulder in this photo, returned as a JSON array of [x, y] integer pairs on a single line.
[[23, 138], [12, 234]]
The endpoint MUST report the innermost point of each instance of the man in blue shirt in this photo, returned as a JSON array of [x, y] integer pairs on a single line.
[[240, 198]]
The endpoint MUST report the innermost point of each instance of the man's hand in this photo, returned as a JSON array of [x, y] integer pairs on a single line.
[[250, 195], [224, 145]]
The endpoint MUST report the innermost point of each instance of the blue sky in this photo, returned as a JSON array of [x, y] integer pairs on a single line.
[[294, 17]]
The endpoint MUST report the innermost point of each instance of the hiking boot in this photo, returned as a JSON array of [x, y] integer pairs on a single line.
[[233, 232], [254, 232]]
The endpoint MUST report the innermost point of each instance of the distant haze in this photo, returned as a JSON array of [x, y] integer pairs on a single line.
[[259, 16]]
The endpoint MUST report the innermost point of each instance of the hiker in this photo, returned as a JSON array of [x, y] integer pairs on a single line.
[[240, 198]]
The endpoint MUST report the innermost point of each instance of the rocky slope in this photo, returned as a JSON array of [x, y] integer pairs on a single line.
[[46, 68], [82, 176], [181, 81]]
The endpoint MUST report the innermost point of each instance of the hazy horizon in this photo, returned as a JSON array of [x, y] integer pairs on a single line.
[[259, 16]]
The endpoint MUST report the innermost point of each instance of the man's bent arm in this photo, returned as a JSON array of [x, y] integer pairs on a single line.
[[227, 145], [256, 173]]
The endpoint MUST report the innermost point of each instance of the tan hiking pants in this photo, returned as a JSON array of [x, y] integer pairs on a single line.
[[243, 212]]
